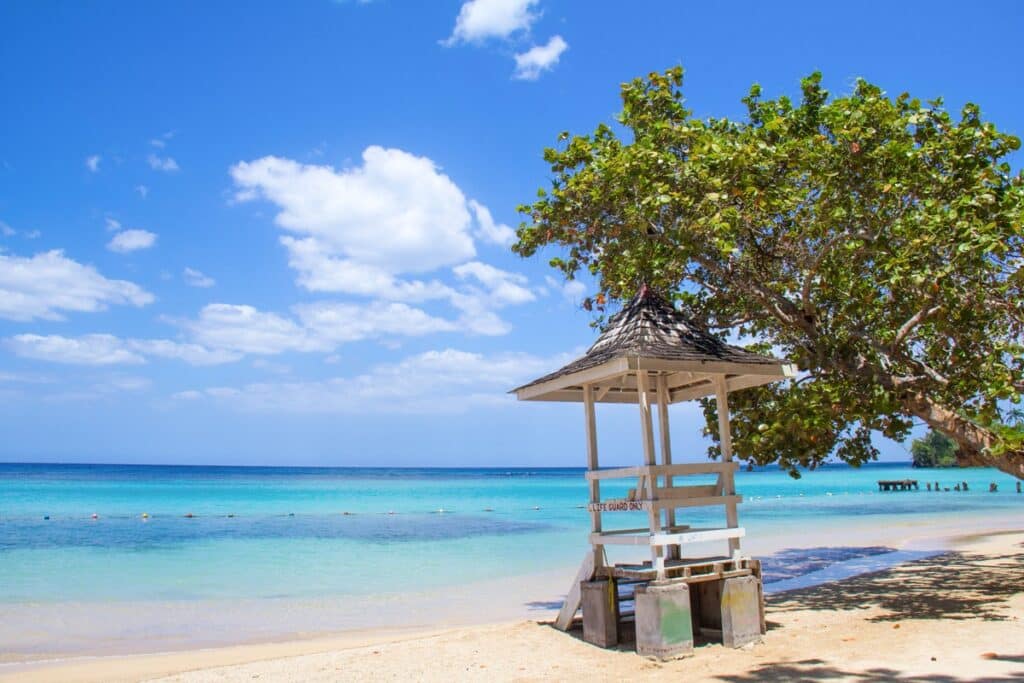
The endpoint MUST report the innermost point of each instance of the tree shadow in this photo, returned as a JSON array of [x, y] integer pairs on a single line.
[[818, 670], [953, 585]]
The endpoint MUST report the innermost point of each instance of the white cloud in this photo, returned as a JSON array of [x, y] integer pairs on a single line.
[[142, 190], [504, 288], [49, 283], [91, 349], [6, 230], [93, 163], [487, 229], [33, 235], [572, 290], [539, 58], [397, 212], [317, 327], [479, 20], [365, 230], [433, 382], [162, 163], [245, 329], [195, 278], [107, 349], [113, 225], [342, 322], [193, 354], [158, 143], [131, 240]]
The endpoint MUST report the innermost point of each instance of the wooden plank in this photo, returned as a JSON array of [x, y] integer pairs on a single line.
[[624, 505], [677, 470], [592, 464], [592, 375], [662, 539], [725, 442], [779, 370], [666, 447], [572, 600]]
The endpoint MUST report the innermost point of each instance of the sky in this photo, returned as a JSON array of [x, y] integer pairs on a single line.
[[278, 233]]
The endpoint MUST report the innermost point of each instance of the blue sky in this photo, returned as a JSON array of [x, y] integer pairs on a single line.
[[276, 233]]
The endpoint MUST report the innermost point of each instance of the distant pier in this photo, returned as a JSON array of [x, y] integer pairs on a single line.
[[897, 485]]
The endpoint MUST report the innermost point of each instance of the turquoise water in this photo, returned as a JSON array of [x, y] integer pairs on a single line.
[[283, 533]]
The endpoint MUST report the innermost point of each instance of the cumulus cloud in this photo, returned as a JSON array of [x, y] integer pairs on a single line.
[[49, 284], [442, 381], [397, 212], [539, 58], [487, 229], [131, 240], [107, 349], [167, 164], [195, 278], [93, 163], [365, 230], [479, 20]]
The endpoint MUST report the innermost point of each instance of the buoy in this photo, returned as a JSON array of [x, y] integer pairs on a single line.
[[189, 515], [231, 514], [440, 511], [391, 512], [46, 516], [536, 507], [145, 515], [95, 516]]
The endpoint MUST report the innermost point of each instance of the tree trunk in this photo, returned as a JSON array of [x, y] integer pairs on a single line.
[[975, 442]]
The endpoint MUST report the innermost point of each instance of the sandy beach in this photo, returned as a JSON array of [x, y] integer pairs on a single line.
[[954, 616]]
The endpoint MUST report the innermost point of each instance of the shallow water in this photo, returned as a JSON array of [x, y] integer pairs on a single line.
[[269, 552]]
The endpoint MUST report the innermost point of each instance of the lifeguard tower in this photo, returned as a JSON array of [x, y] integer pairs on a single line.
[[652, 355]]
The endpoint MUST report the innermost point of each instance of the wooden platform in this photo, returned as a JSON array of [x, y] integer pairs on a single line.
[[684, 571]]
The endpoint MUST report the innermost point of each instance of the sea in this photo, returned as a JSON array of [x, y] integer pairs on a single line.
[[132, 558]]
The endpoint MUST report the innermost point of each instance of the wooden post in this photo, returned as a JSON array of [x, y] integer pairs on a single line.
[[666, 451], [647, 436], [595, 485], [725, 442]]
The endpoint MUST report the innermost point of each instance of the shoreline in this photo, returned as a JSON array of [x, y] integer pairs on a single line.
[[142, 666]]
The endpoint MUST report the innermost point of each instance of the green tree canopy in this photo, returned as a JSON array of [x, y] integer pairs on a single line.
[[934, 450], [875, 242]]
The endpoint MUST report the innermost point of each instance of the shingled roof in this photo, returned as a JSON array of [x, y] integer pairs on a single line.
[[648, 328]]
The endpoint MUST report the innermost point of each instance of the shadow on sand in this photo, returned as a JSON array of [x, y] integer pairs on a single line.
[[951, 585]]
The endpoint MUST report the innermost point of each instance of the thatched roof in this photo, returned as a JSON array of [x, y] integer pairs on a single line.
[[649, 333]]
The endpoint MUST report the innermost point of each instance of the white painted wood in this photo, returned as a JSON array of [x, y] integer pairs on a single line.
[[627, 505], [647, 437], [710, 367], [678, 470], [666, 449], [663, 539], [592, 465], [572, 599], [725, 442], [612, 368]]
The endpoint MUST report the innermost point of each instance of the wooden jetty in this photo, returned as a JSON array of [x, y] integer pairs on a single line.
[[897, 485], [653, 356]]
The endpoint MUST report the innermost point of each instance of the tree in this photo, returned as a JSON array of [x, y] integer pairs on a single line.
[[875, 242], [934, 450]]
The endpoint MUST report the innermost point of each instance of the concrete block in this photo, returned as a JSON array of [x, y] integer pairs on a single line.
[[600, 605], [741, 611], [664, 624]]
